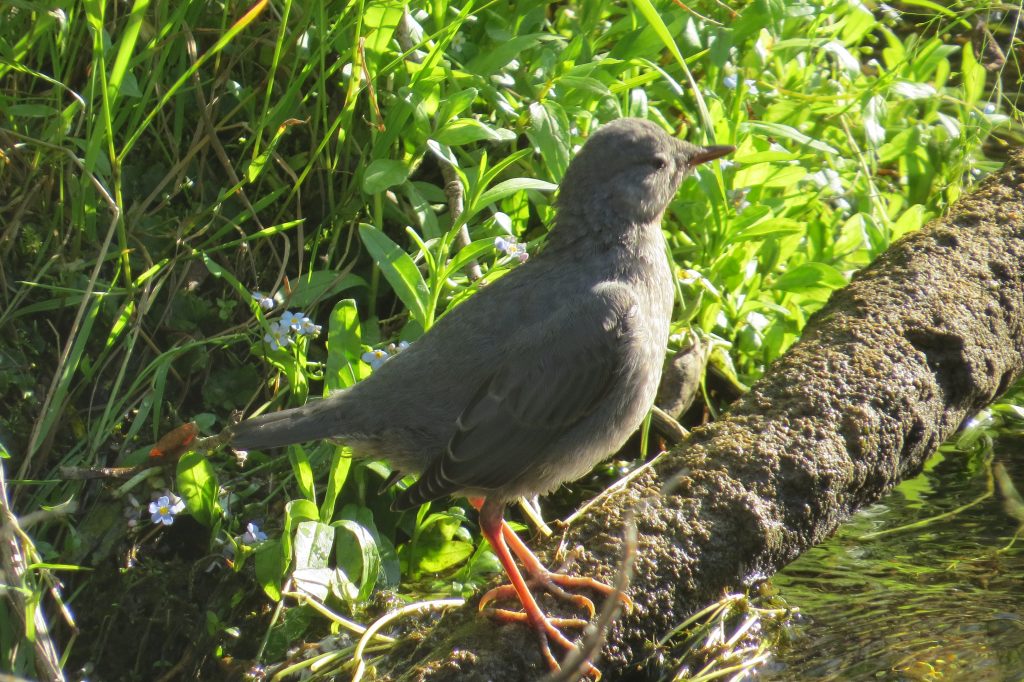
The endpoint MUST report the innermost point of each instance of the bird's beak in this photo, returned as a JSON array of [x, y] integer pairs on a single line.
[[705, 154]]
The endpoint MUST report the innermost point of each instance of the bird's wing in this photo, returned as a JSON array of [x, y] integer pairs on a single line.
[[559, 372]]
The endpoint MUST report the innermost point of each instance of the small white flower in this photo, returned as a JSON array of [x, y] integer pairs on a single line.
[[278, 336], [291, 320], [165, 508], [375, 358], [511, 248], [308, 328], [266, 301]]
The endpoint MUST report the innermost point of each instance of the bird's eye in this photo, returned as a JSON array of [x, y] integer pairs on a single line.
[[659, 162]]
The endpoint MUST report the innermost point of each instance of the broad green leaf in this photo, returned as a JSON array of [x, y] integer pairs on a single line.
[[773, 227], [295, 512], [399, 270], [303, 471], [509, 187], [313, 544], [344, 348], [767, 129], [341, 463], [911, 219], [30, 110], [974, 75], [913, 90], [768, 175], [471, 251], [315, 582], [197, 484], [359, 543], [316, 286], [443, 152], [442, 556], [455, 103], [468, 130], [270, 565], [435, 547], [810, 276], [384, 173], [379, 21], [489, 61], [549, 132]]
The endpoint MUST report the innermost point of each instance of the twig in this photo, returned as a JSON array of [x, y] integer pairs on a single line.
[[69, 473], [531, 508], [453, 190], [667, 426], [12, 573]]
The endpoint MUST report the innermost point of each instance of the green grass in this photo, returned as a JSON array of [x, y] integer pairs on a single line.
[[161, 161]]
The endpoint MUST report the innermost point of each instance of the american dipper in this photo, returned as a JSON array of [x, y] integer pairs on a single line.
[[538, 376]]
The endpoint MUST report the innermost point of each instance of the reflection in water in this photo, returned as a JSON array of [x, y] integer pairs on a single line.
[[943, 601]]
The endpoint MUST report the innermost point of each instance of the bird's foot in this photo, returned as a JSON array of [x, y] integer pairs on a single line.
[[559, 585], [547, 629]]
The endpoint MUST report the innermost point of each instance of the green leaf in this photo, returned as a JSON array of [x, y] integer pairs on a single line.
[[197, 484], [270, 566], [471, 251], [313, 544], [295, 512], [30, 110], [549, 132], [773, 227], [468, 130], [768, 175], [303, 471], [315, 582], [435, 548], [344, 348], [974, 75], [217, 270], [510, 187], [380, 19], [384, 173], [361, 540], [316, 286], [440, 557], [489, 61], [810, 276], [766, 129], [399, 270], [341, 463], [455, 103]]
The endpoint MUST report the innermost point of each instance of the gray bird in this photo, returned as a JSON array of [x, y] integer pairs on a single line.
[[539, 375]]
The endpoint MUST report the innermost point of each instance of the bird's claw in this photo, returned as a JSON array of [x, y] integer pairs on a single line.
[[509, 592], [547, 629], [509, 616]]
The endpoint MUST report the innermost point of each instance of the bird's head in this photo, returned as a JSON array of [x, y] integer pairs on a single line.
[[627, 173]]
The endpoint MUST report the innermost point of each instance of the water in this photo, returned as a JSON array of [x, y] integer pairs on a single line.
[[944, 601]]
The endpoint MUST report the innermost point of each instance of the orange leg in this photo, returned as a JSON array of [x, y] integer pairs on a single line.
[[501, 536]]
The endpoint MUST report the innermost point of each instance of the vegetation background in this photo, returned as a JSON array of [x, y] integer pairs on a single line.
[[177, 178]]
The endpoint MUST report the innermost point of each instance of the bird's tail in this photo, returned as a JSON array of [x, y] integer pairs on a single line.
[[316, 420]]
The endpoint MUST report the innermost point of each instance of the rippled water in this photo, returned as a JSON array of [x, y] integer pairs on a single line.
[[940, 602]]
